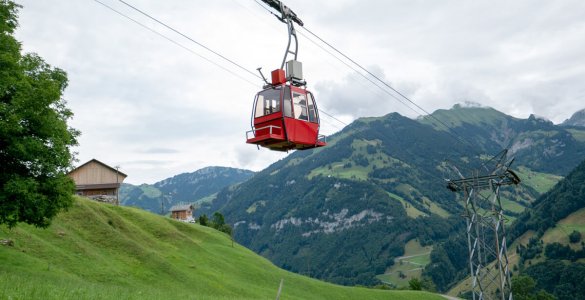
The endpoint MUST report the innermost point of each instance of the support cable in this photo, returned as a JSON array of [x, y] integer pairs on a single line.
[[449, 129], [360, 73], [332, 117], [193, 52], [189, 38], [174, 42], [255, 75]]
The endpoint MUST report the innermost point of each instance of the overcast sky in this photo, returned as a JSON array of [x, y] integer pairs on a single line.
[[157, 109]]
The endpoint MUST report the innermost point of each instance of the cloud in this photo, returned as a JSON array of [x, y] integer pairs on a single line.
[[138, 97], [159, 150], [352, 96], [145, 163]]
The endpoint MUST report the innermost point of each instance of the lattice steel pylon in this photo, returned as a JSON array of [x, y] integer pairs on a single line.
[[486, 235]]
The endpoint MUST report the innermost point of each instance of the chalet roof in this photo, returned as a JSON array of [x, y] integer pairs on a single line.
[[182, 207], [101, 163]]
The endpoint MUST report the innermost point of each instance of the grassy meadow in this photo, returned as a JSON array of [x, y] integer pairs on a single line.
[[100, 251], [408, 266]]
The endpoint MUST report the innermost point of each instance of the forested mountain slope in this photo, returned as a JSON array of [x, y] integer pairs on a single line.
[[546, 242], [343, 212], [550, 246], [183, 188]]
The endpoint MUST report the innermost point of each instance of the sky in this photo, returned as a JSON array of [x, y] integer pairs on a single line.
[[156, 104]]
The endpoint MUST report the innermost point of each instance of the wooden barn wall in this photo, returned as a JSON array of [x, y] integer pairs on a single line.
[[94, 173], [107, 192]]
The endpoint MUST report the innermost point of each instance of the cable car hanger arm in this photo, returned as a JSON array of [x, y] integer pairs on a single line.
[[287, 17], [286, 13]]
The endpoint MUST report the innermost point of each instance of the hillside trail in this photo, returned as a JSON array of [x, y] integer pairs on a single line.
[[411, 256]]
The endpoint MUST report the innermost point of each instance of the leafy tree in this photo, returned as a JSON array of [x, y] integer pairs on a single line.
[[544, 295], [203, 220], [575, 236], [217, 222], [415, 284], [523, 287], [563, 280], [225, 228], [35, 140], [428, 285], [218, 219]]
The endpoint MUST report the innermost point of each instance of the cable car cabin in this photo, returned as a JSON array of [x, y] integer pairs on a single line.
[[285, 117]]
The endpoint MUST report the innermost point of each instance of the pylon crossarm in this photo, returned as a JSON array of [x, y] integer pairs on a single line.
[[486, 237]]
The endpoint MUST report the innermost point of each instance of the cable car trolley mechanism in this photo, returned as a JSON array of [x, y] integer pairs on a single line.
[[284, 114]]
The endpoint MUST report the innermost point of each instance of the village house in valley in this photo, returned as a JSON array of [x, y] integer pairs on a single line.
[[98, 181], [182, 212]]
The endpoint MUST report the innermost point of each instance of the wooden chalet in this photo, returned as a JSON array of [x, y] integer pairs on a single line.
[[183, 212], [96, 180]]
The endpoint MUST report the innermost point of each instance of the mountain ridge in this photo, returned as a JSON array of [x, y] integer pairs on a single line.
[[393, 161], [182, 188], [577, 119]]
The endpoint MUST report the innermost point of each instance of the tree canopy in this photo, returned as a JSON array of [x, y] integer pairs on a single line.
[[35, 139]]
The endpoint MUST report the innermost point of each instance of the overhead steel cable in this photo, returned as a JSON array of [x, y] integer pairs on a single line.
[[449, 129], [360, 73], [332, 117], [190, 50], [341, 61], [231, 61], [173, 41], [189, 38]]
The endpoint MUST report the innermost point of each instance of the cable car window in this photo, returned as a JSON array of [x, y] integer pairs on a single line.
[[312, 109], [268, 102], [300, 106], [286, 103]]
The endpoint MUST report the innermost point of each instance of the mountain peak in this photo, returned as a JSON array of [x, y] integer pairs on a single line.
[[185, 187], [577, 119], [206, 172], [469, 104], [539, 119], [465, 113]]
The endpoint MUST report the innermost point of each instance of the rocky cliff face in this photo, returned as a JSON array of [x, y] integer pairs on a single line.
[[577, 119]]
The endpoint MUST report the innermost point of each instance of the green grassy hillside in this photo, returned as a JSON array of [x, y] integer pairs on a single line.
[[99, 251], [408, 266]]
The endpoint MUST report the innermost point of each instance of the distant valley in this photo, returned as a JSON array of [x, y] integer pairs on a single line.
[[196, 187], [346, 212], [343, 213]]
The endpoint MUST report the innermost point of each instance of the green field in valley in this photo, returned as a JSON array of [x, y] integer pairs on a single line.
[[560, 232], [541, 182], [408, 266], [100, 251]]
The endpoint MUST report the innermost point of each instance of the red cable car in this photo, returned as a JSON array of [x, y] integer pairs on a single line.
[[285, 117], [284, 114]]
